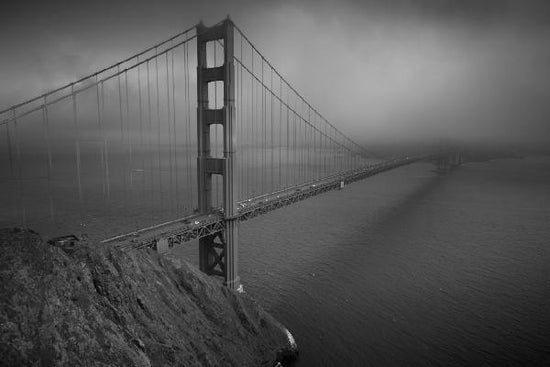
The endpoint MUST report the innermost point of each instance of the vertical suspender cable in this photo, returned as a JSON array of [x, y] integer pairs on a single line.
[[188, 199], [311, 139], [271, 122], [49, 151], [189, 165], [106, 147], [251, 152], [261, 127], [140, 114], [280, 132], [102, 147], [288, 169], [100, 114], [150, 140], [129, 135], [77, 151], [301, 141], [241, 123], [161, 201], [124, 178], [341, 155], [305, 139], [264, 137], [296, 175], [100, 128], [315, 146], [299, 150], [19, 164], [317, 135], [320, 147], [333, 152], [169, 138], [338, 150], [10, 153], [266, 164], [237, 173], [323, 150], [306, 146], [10, 158], [174, 136], [141, 148], [120, 104], [309, 146], [253, 122]]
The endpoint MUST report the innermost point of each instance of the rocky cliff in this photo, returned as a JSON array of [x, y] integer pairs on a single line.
[[96, 305]]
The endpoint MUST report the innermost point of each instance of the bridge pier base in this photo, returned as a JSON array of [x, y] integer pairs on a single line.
[[231, 276], [218, 255], [162, 246], [211, 254]]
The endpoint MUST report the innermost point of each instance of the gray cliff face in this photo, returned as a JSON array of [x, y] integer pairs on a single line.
[[100, 306]]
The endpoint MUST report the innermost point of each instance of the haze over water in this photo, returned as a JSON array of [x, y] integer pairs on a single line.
[[411, 268]]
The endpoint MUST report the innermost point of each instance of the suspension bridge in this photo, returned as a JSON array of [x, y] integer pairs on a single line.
[[183, 140]]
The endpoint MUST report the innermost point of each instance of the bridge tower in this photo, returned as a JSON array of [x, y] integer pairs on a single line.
[[218, 252], [448, 160]]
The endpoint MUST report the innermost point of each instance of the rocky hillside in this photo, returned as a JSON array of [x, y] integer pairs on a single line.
[[99, 306]]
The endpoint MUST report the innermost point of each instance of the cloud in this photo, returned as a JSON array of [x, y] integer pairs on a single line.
[[400, 69]]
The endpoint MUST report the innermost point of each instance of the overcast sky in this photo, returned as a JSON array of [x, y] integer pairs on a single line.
[[392, 69]]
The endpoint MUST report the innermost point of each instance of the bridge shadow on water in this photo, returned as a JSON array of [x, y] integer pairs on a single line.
[[412, 268], [347, 243], [388, 210]]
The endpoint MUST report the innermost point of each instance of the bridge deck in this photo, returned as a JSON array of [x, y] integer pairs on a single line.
[[197, 226]]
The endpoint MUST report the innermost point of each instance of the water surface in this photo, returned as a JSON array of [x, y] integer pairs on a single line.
[[411, 268]]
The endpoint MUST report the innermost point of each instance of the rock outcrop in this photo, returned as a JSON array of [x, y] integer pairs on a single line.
[[100, 306]]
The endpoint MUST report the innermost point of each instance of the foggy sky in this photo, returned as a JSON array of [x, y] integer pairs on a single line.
[[379, 70]]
